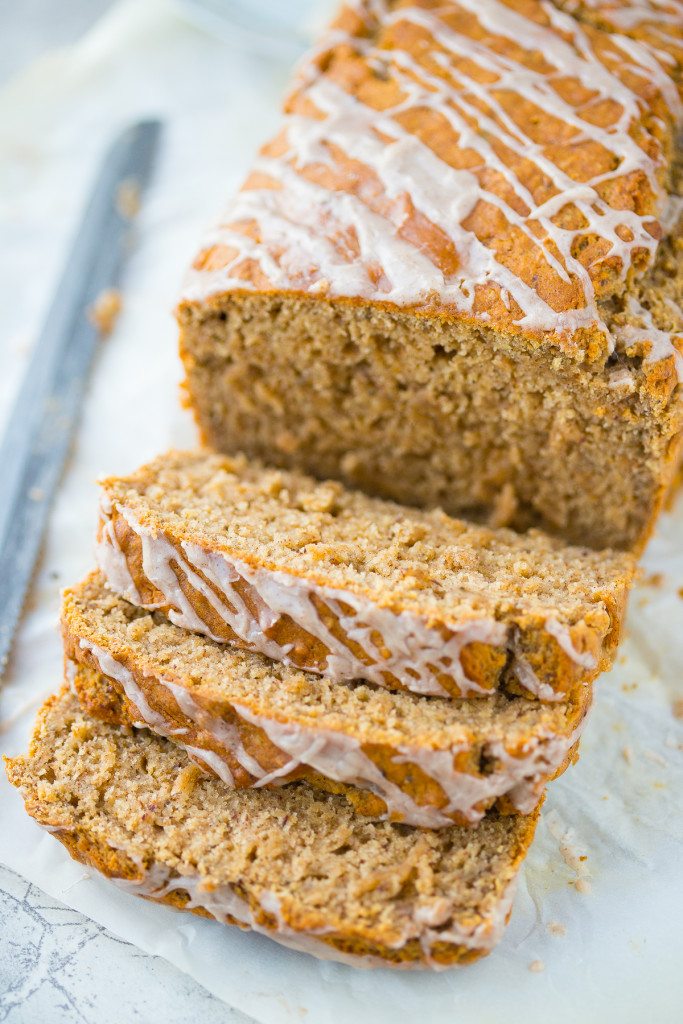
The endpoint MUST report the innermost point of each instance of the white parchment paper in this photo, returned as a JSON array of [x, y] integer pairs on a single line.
[[599, 912]]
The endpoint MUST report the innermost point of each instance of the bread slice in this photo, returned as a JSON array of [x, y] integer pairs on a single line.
[[292, 863], [454, 277], [257, 723], [333, 581]]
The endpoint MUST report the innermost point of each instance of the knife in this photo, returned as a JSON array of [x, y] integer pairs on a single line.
[[46, 411]]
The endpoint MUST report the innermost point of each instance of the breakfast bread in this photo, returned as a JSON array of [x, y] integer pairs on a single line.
[[426, 762], [295, 864], [453, 278], [332, 581]]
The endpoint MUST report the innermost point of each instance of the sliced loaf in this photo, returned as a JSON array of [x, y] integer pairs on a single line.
[[258, 723], [292, 863]]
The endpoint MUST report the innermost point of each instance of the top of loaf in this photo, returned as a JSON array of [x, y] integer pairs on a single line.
[[656, 22], [503, 161]]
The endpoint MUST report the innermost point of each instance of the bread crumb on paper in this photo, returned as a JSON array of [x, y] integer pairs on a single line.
[[105, 310], [557, 928], [575, 859], [537, 966]]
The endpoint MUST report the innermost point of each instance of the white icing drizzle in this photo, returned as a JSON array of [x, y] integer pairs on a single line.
[[300, 222], [111, 559], [561, 633], [530, 680], [223, 902], [109, 666], [338, 755], [212, 760], [632, 14], [225, 733], [621, 378], [412, 650], [659, 344], [672, 214]]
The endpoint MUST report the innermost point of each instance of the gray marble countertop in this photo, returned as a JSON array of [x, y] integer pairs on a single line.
[[57, 967]]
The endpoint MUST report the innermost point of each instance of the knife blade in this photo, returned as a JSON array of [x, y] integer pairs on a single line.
[[43, 419]]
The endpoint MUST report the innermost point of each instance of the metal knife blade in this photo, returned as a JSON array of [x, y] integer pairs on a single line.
[[45, 414]]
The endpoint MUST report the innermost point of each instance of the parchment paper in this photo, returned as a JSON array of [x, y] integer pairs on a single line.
[[603, 933]]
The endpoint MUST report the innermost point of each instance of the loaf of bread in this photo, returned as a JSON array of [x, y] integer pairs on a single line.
[[453, 281], [292, 863], [454, 277], [255, 723], [354, 587]]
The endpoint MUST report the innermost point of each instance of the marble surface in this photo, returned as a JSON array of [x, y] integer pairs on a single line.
[[57, 967]]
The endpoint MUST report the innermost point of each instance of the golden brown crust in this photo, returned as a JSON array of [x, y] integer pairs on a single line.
[[101, 697], [382, 64], [485, 663], [657, 23], [114, 865]]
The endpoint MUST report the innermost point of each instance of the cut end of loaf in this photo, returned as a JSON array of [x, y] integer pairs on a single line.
[[427, 412]]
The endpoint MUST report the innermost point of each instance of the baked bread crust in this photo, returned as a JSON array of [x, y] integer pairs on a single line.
[[278, 563], [113, 799], [424, 763]]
